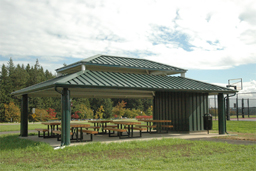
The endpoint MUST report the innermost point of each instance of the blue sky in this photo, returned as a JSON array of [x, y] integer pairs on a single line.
[[213, 44]]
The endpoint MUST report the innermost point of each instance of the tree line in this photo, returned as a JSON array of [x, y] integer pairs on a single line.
[[14, 78]]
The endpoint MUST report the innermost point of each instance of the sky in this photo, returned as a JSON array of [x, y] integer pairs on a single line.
[[214, 40]]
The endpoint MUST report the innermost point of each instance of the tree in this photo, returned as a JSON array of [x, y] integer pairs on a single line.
[[119, 109], [149, 111], [5, 96], [99, 112], [85, 112], [75, 115], [51, 113], [106, 103], [41, 115], [12, 112]]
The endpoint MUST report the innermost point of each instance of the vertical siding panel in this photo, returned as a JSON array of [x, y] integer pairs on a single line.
[[180, 111], [173, 113], [177, 111], [170, 108], [190, 111], [202, 112], [167, 115], [194, 112], [198, 111], [163, 105]]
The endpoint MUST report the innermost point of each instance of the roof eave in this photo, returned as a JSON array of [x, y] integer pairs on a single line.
[[146, 89]]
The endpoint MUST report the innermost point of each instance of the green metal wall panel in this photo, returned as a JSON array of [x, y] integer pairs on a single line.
[[186, 110]]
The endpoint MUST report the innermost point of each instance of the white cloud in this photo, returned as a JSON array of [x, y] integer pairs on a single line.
[[55, 31]]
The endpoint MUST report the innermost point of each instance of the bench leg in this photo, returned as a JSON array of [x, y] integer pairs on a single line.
[[91, 138], [58, 137], [39, 134]]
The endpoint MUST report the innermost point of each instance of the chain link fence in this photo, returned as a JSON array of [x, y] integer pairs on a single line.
[[235, 107]]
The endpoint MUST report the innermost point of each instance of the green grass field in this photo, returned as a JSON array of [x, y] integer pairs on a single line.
[[165, 154]]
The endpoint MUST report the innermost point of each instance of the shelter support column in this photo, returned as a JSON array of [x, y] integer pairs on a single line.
[[24, 116], [65, 117], [221, 114]]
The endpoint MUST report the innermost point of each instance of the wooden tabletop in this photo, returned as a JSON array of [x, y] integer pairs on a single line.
[[126, 122], [155, 120], [51, 123], [78, 125], [105, 121]]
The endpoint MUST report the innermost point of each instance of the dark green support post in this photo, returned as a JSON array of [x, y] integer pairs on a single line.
[[221, 114], [24, 116], [65, 117]]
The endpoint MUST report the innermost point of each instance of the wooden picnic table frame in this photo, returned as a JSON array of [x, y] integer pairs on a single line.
[[130, 125], [102, 124], [51, 127], [158, 122], [75, 129]]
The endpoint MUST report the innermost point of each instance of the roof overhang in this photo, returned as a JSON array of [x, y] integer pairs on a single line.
[[118, 85]]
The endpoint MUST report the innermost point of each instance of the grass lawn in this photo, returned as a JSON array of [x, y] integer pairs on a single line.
[[165, 154], [244, 130]]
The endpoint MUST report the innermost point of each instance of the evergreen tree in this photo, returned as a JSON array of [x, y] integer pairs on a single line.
[[5, 96]]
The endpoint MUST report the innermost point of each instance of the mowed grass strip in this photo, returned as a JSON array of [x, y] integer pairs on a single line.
[[165, 154], [238, 126]]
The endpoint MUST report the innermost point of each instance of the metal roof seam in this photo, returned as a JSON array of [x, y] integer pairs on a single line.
[[79, 81], [128, 81], [90, 75], [114, 79], [86, 79], [137, 76], [101, 78], [157, 82], [127, 77], [124, 82], [117, 77]]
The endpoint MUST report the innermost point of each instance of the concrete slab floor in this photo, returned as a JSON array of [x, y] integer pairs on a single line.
[[104, 138]]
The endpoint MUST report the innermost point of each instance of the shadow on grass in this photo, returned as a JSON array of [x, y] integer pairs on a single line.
[[12, 142]]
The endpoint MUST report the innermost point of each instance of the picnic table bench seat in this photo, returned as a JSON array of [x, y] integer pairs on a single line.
[[146, 126], [93, 127], [58, 134], [112, 126], [167, 126], [115, 129], [140, 129], [41, 130], [91, 132], [120, 131]]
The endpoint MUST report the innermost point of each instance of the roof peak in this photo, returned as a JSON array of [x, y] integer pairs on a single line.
[[122, 64]]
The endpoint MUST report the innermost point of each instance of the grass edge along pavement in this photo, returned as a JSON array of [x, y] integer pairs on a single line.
[[164, 154]]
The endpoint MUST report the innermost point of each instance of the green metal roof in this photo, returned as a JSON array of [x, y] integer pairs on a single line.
[[124, 81], [121, 62]]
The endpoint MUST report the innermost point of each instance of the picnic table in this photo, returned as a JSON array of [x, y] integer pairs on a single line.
[[51, 127], [158, 124], [130, 128], [102, 124], [75, 129]]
